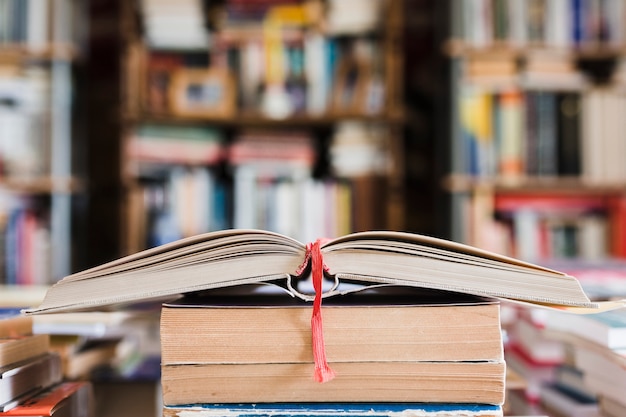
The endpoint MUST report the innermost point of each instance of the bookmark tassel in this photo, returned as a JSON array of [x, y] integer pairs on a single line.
[[323, 372]]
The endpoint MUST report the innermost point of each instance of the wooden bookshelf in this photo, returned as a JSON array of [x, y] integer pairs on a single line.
[[42, 185], [383, 43], [18, 54], [530, 109], [459, 48], [547, 184], [256, 120]]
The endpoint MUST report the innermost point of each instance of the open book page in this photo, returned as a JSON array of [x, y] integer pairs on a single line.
[[234, 257], [451, 248], [208, 246]]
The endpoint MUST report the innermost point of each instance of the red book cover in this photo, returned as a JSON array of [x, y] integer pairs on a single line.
[[549, 201], [618, 226]]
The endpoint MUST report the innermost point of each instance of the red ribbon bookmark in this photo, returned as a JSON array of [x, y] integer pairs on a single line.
[[323, 372]]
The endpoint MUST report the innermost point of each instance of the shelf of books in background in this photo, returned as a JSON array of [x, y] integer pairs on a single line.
[[38, 50], [288, 103], [538, 94]]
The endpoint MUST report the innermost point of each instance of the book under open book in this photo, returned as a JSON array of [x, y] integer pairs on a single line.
[[350, 263], [384, 344]]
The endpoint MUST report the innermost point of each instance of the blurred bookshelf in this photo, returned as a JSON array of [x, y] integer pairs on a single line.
[[40, 49], [537, 97], [534, 170], [292, 114]]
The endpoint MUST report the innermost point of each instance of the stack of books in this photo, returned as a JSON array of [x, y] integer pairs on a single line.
[[31, 375], [390, 345], [407, 323], [96, 343], [26, 364], [596, 373]]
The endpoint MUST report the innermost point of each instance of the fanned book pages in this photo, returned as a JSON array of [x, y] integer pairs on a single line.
[[234, 257]]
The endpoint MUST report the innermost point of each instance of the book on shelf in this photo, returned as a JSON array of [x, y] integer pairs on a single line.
[[547, 226], [26, 241], [477, 110], [552, 70], [541, 134], [26, 121], [513, 134], [602, 110], [600, 279], [272, 180], [28, 26], [169, 202], [293, 203], [554, 23], [292, 147], [336, 409], [233, 257], [175, 27], [68, 398], [169, 144], [386, 344], [346, 17]]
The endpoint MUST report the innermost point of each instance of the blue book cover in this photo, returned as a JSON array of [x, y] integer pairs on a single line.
[[335, 409], [12, 253], [577, 21], [10, 312]]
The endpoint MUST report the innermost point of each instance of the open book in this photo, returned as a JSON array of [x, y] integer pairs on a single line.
[[352, 262]]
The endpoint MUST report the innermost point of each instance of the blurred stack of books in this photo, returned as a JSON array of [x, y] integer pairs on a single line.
[[31, 373]]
